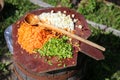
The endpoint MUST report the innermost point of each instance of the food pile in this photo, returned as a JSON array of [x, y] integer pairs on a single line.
[[32, 37], [47, 42], [60, 20]]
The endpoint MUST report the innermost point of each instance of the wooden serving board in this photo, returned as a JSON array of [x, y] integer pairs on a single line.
[[36, 63]]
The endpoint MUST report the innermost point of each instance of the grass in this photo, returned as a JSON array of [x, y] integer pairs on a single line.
[[101, 12], [12, 11], [108, 69], [105, 69], [58, 2]]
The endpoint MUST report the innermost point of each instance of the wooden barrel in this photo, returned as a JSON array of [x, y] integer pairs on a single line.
[[72, 73]]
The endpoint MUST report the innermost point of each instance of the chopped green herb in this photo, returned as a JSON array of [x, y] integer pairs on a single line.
[[57, 47], [64, 65], [49, 62], [60, 64]]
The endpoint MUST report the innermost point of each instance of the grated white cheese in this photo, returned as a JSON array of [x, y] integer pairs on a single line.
[[58, 19]]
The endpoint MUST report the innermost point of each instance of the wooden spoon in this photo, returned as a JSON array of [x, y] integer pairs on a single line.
[[34, 20]]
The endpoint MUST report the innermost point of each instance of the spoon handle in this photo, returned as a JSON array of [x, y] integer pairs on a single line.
[[72, 35]]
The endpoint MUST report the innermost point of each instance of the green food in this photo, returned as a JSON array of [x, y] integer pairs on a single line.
[[57, 47]]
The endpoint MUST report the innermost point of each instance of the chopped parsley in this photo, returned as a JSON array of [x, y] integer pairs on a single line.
[[57, 47]]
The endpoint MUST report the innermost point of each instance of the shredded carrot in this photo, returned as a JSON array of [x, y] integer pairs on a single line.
[[32, 37]]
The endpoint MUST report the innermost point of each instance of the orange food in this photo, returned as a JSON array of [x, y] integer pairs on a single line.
[[32, 37]]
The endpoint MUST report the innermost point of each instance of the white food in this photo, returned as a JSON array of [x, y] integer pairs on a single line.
[[59, 20]]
